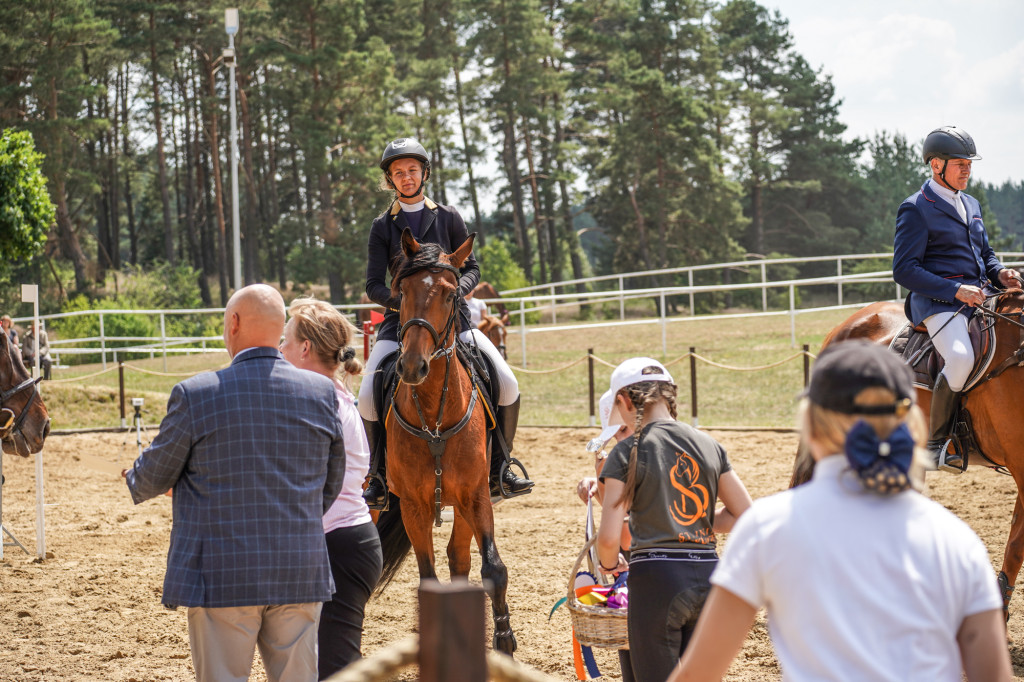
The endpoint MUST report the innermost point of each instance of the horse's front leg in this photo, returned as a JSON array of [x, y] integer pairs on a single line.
[[492, 570], [418, 518], [459, 559], [1013, 556]]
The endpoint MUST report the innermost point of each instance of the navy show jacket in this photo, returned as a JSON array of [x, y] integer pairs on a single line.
[[935, 252], [441, 225]]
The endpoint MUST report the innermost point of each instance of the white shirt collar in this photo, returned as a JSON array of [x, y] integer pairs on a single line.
[[953, 197], [412, 208]]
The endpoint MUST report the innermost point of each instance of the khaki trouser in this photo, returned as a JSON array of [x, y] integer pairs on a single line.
[[224, 641]]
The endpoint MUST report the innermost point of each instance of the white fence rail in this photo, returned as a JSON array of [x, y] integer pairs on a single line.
[[557, 297]]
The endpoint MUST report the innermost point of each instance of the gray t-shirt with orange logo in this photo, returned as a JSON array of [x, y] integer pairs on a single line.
[[677, 485]]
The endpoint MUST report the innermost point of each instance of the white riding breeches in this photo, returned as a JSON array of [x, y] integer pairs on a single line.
[[951, 340], [508, 386]]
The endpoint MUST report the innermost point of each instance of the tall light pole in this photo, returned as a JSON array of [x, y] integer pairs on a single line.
[[231, 27]]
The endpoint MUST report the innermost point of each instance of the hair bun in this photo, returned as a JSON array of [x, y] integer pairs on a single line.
[[347, 354]]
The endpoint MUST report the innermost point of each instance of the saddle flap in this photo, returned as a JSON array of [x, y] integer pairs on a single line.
[[914, 345]]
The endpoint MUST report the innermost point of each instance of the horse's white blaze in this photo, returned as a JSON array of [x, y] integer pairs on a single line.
[[428, 281]]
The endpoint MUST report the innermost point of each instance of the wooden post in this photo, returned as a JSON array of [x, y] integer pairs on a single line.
[[452, 632], [120, 383], [590, 377], [693, 384], [807, 365]]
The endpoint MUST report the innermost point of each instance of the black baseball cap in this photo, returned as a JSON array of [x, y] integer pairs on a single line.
[[846, 368]]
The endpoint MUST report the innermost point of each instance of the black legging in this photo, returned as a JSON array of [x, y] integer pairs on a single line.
[[356, 565], [665, 598]]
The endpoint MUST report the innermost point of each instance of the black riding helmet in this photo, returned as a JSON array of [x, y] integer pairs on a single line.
[[949, 142], [405, 148]]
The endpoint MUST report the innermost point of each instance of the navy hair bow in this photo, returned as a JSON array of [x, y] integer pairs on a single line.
[[864, 447]]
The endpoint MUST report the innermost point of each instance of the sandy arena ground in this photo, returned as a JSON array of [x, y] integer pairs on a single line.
[[91, 611]]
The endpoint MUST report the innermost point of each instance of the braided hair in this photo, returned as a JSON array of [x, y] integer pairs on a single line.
[[641, 395]]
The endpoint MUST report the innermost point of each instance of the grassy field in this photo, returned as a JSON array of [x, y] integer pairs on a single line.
[[553, 394]]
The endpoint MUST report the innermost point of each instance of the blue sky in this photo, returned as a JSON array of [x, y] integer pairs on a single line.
[[911, 66]]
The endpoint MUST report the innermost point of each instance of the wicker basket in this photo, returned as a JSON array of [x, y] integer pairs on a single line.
[[597, 626]]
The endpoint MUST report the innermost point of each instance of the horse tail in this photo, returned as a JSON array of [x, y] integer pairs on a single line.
[[394, 542]]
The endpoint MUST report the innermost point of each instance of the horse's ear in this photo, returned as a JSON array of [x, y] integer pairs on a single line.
[[460, 254], [409, 244]]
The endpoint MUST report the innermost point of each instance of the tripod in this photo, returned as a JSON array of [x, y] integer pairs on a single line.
[[137, 425]]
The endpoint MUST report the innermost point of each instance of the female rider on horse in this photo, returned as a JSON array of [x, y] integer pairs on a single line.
[[942, 255], [406, 168]]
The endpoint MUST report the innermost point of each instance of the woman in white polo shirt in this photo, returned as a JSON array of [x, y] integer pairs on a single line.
[[319, 338], [863, 578]]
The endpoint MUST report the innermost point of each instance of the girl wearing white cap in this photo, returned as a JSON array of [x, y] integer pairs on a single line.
[[863, 578], [667, 477]]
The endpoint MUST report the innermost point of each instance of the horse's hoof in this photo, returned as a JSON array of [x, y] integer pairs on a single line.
[[506, 644]]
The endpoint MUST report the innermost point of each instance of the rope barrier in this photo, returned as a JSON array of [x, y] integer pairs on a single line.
[[749, 369], [553, 370], [86, 376], [384, 664], [169, 374]]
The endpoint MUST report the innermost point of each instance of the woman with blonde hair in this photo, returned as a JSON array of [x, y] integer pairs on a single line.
[[863, 578], [319, 338]]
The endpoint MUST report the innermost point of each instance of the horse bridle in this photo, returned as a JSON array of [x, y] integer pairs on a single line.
[[436, 439], [8, 420]]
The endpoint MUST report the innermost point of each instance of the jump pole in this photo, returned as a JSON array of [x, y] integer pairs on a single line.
[[30, 294]]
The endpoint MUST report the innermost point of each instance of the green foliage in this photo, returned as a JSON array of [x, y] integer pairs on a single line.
[[498, 267], [26, 211]]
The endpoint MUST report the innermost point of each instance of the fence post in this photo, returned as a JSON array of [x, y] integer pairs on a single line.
[[103, 343], [839, 284], [452, 632], [664, 327], [120, 384], [693, 385], [807, 365], [522, 328], [764, 288], [554, 316], [690, 278], [622, 298], [590, 379], [792, 315], [163, 339]]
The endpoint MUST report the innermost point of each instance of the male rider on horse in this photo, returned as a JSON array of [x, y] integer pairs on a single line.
[[942, 255], [406, 168]]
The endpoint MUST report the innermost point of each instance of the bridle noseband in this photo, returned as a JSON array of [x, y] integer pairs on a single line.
[[8, 420]]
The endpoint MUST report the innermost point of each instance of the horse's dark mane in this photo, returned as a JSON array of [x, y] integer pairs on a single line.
[[428, 256]]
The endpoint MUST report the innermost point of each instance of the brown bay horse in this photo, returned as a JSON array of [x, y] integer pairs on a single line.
[[486, 291], [24, 421], [437, 434], [495, 331], [994, 404]]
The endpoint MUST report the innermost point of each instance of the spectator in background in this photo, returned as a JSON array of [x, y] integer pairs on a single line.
[[477, 309], [863, 577], [318, 338], [255, 456], [28, 350], [8, 326]]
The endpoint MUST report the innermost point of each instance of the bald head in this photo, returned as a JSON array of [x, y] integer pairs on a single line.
[[254, 317]]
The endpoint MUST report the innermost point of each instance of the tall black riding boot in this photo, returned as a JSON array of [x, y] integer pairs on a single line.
[[943, 413], [376, 493], [508, 482]]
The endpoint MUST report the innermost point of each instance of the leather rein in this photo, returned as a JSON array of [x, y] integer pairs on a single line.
[[436, 439]]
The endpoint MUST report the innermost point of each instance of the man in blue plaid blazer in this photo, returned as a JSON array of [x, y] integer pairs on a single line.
[[254, 456]]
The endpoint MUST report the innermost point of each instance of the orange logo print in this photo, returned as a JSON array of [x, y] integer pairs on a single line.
[[693, 501]]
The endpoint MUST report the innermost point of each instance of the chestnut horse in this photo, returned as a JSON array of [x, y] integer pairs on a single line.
[[437, 433], [994, 403], [495, 331], [24, 421], [486, 290]]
